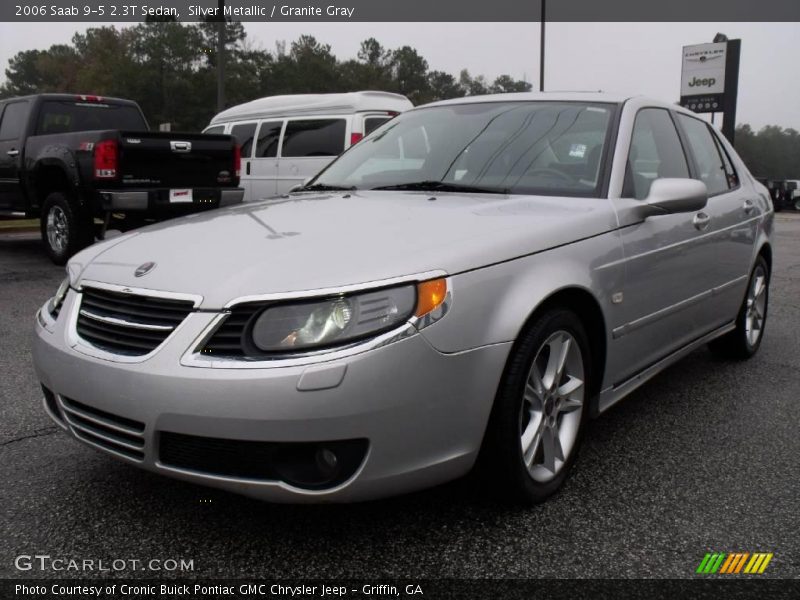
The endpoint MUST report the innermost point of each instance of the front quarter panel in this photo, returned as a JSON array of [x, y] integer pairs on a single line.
[[491, 305]]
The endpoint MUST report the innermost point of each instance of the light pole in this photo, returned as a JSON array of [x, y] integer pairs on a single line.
[[541, 47], [221, 56]]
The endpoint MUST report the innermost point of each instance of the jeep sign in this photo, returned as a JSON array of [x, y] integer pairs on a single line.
[[703, 70]]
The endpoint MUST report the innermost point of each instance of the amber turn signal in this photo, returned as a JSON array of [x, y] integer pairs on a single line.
[[430, 295]]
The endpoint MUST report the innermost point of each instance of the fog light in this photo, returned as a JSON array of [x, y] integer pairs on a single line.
[[327, 462]]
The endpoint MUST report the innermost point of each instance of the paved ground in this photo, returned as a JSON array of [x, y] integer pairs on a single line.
[[704, 457]]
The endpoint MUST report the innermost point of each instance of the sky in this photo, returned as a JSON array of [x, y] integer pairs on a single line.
[[628, 58]]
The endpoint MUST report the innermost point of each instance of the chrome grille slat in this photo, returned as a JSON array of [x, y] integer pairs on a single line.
[[104, 430], [128, 324], [111, 421]]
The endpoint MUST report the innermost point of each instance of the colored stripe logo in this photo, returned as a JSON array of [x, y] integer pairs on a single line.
[[734, 563]]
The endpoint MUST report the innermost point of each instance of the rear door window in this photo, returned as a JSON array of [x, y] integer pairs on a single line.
[[13, 120], [244, 134], [314, 137], [710, 166], [269, 136]]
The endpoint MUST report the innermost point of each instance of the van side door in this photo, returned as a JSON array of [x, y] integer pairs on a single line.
[[309, 145], [264, 171]]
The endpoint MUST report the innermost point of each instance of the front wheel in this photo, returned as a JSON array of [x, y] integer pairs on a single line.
[[64, 230], [744, 341], [540, 411]]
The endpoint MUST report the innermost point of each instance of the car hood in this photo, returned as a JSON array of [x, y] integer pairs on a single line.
[[314, 241]]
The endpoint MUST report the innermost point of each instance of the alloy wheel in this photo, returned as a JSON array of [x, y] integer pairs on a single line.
[[57, 229], [756, 306], [552, 406]]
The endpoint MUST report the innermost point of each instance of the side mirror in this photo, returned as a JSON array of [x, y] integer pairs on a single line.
[[670, 195]]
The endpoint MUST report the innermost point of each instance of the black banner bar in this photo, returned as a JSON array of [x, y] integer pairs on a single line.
[[401, 11]]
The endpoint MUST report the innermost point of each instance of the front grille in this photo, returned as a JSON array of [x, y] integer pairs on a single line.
[[128, 324], [228, 340], [296, 463], [108, 431]]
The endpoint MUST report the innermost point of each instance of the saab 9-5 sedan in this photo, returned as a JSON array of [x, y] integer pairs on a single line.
[[465, 287]]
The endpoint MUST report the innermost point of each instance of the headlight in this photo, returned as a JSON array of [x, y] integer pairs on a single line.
[[56, 301], [342, 319]]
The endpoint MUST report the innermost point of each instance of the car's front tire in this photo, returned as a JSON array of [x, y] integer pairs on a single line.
[[540, 411], [744, 341]]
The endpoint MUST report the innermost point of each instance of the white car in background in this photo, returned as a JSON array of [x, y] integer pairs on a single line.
[[286, 140]]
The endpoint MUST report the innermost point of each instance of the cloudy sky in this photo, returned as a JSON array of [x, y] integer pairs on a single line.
[[635, 58]]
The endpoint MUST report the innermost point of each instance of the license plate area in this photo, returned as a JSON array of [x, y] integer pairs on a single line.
[[180, 196]]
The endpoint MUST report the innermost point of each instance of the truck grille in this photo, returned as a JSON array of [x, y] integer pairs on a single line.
[[109, 432], [128, 324]]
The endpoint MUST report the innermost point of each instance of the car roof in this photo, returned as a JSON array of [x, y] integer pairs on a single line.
[[537, 96], [314, 104]]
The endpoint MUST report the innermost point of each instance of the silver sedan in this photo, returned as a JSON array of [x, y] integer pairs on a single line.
[[464, 288]]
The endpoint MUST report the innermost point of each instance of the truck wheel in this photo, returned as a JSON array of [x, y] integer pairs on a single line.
[[64, 230]]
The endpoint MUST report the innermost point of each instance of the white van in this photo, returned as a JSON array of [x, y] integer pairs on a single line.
[[287, 139]]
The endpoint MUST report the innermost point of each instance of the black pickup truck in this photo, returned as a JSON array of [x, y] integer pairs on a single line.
[[82, 164]]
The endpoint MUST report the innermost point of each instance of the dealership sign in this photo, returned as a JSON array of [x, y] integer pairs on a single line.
[[703, 77]]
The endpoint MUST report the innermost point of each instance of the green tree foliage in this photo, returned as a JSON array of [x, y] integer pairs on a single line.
[[169, 68], [772, 152]]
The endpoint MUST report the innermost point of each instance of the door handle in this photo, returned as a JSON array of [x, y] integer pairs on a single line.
[[13, 153], [701, 221], [247, 168], [748, 206]]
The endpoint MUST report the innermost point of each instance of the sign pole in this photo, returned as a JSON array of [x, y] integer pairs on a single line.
[[221, 56], [731, 89], [541, 47]]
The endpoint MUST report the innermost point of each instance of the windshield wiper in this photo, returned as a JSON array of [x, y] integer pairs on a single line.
[[440, 186], [322, 187]]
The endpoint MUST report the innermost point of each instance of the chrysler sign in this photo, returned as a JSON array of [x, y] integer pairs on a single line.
[[703, 76]]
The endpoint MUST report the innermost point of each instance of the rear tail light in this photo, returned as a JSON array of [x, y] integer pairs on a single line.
[[355, 138], [237, 160], [106, 159]]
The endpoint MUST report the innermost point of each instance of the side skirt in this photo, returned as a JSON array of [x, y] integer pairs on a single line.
[[610, 396]]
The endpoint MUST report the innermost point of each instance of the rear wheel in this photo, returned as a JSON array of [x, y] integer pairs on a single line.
[[64, 229], [744, 341], [539, 414]]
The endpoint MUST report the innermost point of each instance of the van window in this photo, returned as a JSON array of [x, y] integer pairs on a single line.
[[217, 129], [14, 118], [372, 123], [268, 137], [314, 137], [244, 135]]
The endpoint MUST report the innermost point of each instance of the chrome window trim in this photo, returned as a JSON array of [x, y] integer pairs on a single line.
[[194, 358]]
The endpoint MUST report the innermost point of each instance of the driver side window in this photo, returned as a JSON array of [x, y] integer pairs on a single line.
[[655, 152]]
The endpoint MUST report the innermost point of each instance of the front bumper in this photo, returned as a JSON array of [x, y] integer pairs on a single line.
[[158, 200], [423, 413]]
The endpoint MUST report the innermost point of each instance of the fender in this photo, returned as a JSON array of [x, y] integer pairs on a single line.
[[53, 156]]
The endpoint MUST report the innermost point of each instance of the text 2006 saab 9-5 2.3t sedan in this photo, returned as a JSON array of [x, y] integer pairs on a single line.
[[465, 286]]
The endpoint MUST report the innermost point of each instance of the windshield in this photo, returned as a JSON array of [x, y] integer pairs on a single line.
[[552, 148], [66, 117]]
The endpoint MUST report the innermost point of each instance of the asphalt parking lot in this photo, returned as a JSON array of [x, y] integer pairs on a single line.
[[703, 458]]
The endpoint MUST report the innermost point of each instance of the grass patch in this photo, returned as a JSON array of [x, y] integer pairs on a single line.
[[19, 224]]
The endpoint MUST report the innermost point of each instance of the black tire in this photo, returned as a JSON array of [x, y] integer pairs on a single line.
[[739, 344], [65, 229], [501, 466]]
